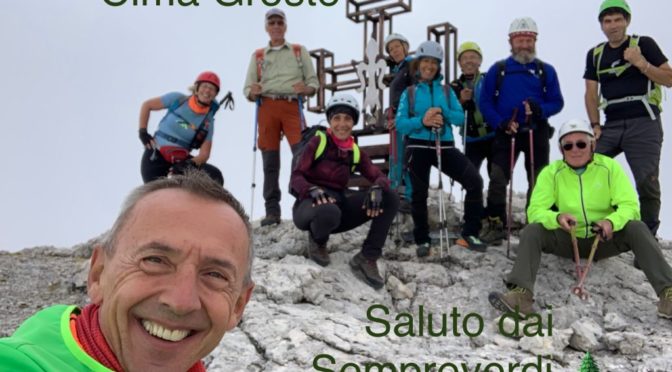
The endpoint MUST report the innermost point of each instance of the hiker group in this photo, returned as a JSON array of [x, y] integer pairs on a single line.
[[500, 113]]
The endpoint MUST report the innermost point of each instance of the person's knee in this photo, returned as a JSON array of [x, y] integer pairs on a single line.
[[327, 215], [271, 160], [533, 231], [473, 182], [636, 228], [649, 186], [498, 176]]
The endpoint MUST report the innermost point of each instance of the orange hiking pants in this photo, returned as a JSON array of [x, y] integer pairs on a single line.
[[277, 117]]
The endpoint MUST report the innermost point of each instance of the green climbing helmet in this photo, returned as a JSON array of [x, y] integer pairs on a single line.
[[620, 4], [469, 46]]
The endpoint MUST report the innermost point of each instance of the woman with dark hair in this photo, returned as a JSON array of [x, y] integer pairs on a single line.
[[426, 112], [188, 124], [324, 205]]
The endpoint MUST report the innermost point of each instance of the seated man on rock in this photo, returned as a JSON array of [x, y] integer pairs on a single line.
[[170, 278], [583, 189]]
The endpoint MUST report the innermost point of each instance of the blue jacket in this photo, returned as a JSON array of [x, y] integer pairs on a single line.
[[451, 110], [520, 83]]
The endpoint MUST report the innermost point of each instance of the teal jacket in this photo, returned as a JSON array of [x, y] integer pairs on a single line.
[[44, 342], [602, 192], [423, 100]]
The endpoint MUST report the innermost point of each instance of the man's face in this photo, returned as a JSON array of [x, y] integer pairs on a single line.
[[396, 50], [276, 28], [614, 27], [523, 48], [174, 284], [574, 155], [470, 62]]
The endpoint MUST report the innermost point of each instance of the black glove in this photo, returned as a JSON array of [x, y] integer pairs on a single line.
[[537, 114], [181, 166], [145, 137], [374, 199], [504, 126], [319, 196]]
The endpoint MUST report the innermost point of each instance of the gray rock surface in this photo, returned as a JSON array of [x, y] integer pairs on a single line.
[[300, 310]]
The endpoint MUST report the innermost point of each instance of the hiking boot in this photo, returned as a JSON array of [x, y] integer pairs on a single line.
[[517, 298], [369, 269], [472, 242], [665, 304], [271, 219], [317, 252], [495, 233], [423, 250]]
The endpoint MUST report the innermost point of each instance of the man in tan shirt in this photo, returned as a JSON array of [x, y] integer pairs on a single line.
[[278, 77]]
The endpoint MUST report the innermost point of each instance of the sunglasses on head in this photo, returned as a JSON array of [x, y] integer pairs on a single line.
[[567, 146]]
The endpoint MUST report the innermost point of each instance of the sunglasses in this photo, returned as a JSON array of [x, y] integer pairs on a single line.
[[276, 23], [568, 146]]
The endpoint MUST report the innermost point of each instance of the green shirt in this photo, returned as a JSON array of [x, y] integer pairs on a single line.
[[44, 342], [602, 192], [280, 71]]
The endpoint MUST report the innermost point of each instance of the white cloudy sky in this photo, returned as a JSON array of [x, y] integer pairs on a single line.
[[73, 74]]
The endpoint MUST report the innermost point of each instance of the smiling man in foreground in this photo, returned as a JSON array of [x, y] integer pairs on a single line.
[[171, 277]]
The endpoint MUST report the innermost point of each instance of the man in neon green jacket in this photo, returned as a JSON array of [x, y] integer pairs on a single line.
[[171, 277], [583, 188]]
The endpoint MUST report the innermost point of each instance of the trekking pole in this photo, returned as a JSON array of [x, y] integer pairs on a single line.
[[509, 217], [254, 155], [301, 117], [464, 147], [575, 247], [578, 289], [531, 143], [394, 165], [443, 228]]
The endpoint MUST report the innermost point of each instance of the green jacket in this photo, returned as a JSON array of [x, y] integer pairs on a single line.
[[602, 192], [44, 342]]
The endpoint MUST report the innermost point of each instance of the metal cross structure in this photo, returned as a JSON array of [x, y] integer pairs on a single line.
[[366, 75]]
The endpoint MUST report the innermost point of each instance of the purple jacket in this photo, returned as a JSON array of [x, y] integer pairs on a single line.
[[332, 169]]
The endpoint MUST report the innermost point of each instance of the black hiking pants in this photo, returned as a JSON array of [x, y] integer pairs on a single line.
[[422, 156], [477, 152], [535, 239], [500, 173], [154, 166], [641, 139], [346, 214]]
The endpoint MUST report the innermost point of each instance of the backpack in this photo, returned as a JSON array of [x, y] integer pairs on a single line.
[[260, 53], [538, 71], [321, 131], [654, 93]]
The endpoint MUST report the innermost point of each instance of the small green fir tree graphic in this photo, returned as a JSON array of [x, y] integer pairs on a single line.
[[588, 364]]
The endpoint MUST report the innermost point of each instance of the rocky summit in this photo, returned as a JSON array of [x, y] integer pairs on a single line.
[[433, 313]]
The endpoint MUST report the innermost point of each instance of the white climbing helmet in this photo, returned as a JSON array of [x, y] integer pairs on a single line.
[[343, 99], [573, 126], [524, 26], [430, 49], [394, 36]]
